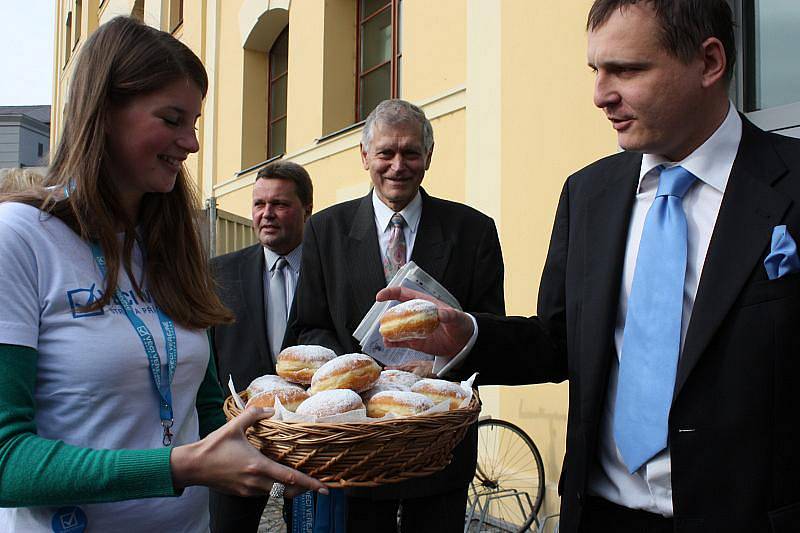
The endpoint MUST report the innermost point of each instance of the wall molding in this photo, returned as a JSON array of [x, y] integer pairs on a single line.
[[436, 107]]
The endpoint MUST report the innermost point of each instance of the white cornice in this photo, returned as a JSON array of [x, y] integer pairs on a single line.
[[449, 102]]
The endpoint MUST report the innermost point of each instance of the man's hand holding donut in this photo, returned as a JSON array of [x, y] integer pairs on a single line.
[[454, 331]]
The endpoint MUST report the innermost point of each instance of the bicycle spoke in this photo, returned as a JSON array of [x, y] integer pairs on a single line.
[[508, 485]]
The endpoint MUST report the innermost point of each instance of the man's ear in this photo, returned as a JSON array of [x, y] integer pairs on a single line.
[[307, 211], [714, 61], [430, 157], [363, 157]]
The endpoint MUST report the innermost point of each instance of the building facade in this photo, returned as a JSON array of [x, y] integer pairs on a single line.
[[24, 136], [504, 82]]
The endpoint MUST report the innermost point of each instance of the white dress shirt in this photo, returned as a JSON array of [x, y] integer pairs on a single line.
[[383, 218], [650, 488]]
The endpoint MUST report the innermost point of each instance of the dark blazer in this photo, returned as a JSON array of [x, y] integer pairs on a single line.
[[342, 272], [734, 427], [242, 348]]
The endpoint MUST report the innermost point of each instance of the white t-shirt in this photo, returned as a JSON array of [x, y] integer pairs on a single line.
[[93, 387]]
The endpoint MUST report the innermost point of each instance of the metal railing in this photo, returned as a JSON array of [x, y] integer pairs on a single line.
[[224, 232]]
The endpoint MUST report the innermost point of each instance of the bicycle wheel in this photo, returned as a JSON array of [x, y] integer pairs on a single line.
[[507, 490]]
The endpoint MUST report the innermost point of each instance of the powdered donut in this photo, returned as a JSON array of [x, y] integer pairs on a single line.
[[414, 319], [383, 387], [331, 402], [298, 363], [439, 390], [263, 391], [400, 403], [399, 377], [354, 371], [391, 380]]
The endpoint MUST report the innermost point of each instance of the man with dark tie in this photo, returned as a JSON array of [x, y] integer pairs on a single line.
[[670, 295], [258, 285], [351, 251]]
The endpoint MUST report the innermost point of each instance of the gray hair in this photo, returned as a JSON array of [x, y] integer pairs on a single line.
[[392, 112]]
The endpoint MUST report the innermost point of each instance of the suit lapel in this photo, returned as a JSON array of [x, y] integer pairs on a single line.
[[431, 250], [365, 267], [607, 218], [251, 274], [749, 211]]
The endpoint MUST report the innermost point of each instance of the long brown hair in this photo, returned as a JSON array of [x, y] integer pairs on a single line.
[[121, 60]]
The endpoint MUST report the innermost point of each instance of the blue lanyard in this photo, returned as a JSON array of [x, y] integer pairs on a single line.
[[161, 383]]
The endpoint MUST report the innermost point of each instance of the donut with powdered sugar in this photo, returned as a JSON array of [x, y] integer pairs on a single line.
[[331, 402], [400, 403], [414, 319], [263, 390], [354, 371], [391, 380], [439, 390], [399, 377], [298, 363]]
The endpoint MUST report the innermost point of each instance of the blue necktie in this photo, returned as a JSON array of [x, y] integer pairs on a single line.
[[651, 340]]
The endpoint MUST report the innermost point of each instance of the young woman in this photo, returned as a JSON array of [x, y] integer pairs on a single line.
[[109, 400]]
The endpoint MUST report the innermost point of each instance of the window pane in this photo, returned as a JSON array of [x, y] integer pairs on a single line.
[[777, 40], [376, 41], [277, 93], [279, 55], [277, 138], [375, 87], [368, 7]]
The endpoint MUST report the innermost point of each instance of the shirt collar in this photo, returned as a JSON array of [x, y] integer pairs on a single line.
[[293, 258], [712, 161], [411, 213]]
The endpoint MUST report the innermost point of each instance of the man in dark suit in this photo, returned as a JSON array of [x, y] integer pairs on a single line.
[[257, 284], [350, 251], [714, 360]]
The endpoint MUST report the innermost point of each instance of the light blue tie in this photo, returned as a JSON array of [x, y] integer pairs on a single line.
[[651, 341]]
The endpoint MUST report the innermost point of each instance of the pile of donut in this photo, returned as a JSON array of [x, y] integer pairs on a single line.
[[340, 385]]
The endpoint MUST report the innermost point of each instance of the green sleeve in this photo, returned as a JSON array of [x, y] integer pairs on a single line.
[[37, 471], [209, 398]]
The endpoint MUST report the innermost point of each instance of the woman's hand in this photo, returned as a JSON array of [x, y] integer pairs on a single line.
[[227, 462], [454, 331]]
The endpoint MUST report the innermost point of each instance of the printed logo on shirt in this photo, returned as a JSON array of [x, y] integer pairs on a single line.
[[69, 520], [78, 299]]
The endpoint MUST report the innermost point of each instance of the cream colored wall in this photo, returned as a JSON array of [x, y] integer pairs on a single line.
[[62, 73], [434, 61], [549, 129], [339, 65], [237, 202], [230, 76], [305, 97], [192, 34]]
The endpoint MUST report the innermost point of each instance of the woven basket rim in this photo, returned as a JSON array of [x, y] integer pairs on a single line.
[[378, 453]]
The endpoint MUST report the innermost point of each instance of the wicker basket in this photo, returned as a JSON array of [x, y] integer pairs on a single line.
[[363, 454]]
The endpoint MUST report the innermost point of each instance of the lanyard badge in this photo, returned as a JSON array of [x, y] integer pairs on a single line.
[[161, 379]]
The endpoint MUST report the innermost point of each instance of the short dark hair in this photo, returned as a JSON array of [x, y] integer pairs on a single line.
[[685, 24], [287, 170]]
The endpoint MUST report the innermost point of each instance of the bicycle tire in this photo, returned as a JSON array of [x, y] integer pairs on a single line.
[[508, 460]]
